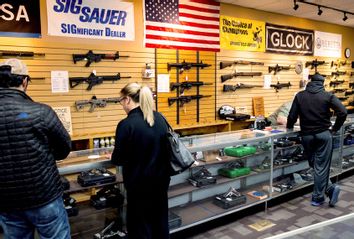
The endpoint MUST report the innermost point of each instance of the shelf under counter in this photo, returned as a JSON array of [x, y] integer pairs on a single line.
[[204, 210]]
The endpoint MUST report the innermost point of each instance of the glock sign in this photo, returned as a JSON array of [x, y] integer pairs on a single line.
[[289, 40]]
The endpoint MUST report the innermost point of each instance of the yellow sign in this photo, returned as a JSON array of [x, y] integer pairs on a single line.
[[242, 34]]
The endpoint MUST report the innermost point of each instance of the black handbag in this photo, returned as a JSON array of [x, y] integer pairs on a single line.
[[178, 154]]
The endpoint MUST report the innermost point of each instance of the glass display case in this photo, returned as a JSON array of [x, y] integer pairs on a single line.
[[233, 171], [238, 170]]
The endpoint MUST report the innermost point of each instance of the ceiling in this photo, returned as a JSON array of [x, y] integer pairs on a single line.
[[304, 10]]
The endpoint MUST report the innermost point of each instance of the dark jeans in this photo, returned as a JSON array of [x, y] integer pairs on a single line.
[[51, 222], [318, 151], [147, 211]]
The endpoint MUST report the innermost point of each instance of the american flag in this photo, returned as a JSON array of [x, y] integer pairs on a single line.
[[182, 24]]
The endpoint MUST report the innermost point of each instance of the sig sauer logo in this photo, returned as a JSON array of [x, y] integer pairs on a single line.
[[281, 39]]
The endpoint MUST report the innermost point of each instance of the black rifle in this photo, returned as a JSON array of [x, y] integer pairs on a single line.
[[277, 68], [338, 63], [93, 80], [279, 86], [336, 82], [19, 54], [93, 57], [185, 99], [349, 92], [94, 102], [224, 64], [338, 73], [314, 63], [342, 97], [187, 85], [186, 65], [338, 90], [238, 86], [236, 74]]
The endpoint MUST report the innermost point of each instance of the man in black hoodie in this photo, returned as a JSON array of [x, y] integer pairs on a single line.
[[313, 106]]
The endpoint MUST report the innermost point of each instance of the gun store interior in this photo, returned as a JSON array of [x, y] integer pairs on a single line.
[[260, 93]]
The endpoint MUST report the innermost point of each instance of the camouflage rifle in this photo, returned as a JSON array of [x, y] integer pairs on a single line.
[[94, 102], [185, 99], [187, 85], [277, 68], [93, 80], [279, 86], [224, 64], [237, 74], [227, 88], [91, 57]]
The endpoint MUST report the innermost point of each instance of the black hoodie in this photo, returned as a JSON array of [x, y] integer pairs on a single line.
[[313, 107]]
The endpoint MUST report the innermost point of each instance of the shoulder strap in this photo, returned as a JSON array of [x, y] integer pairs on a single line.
[[168, 124]]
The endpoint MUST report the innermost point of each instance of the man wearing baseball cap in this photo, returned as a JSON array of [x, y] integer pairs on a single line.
[[313, 106], [32, 138]]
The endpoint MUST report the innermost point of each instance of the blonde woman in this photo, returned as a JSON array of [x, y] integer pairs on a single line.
[[140, 148]]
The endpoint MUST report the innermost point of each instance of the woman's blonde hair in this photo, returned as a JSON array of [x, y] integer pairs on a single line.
[[143, 96]]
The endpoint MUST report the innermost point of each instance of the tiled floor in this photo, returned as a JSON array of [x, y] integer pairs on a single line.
[[288, 216]]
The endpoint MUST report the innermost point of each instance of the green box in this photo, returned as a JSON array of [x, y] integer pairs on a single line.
[[234, 172], [240, 151]]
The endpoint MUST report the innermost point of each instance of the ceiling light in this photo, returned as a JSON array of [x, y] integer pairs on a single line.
[[319, 11], [296, 6], [345, 16]]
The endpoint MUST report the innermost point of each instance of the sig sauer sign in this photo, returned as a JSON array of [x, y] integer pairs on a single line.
[[289, 40], [20, 18]]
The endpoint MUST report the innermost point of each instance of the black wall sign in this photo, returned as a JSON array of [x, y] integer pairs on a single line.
[[289, 40], [20, 18]]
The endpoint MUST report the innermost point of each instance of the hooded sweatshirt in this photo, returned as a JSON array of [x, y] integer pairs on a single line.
[[313, 106]]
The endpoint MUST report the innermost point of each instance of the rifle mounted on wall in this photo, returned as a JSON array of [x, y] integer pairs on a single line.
[[335, 83], [187, 85], [338, 73], [277, 68], [237, 74], [185, 99], [91, 57], [186, 65], [19, 54], [314, 64], [94, 102], [224, 64], [93, 80], [279, 86], [227, 88]]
